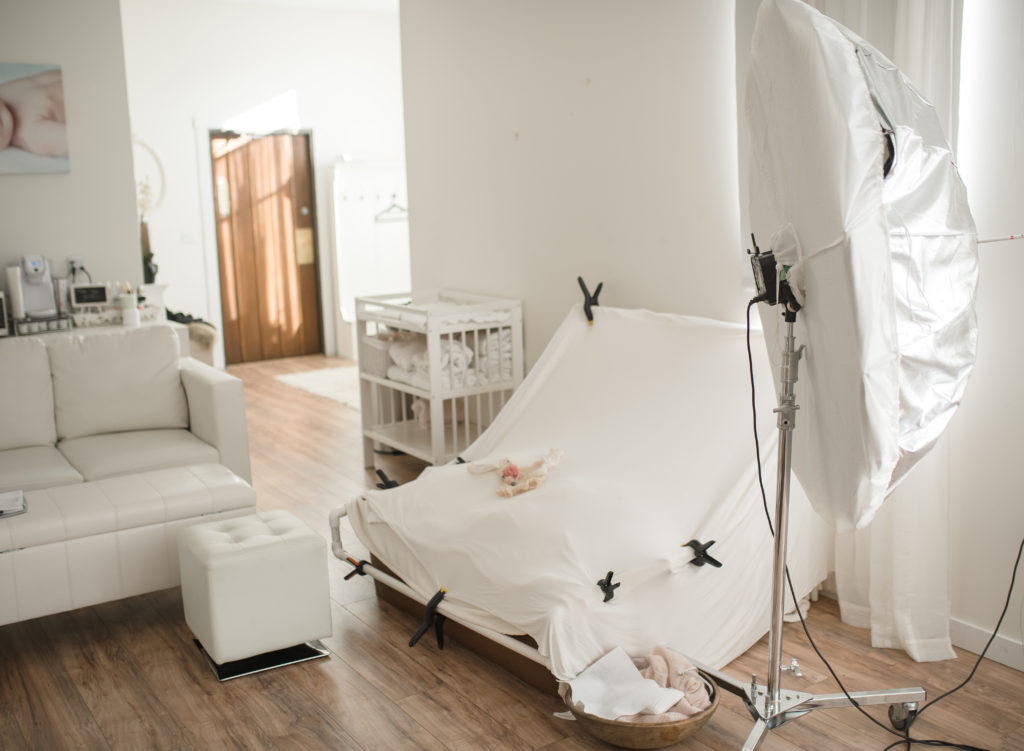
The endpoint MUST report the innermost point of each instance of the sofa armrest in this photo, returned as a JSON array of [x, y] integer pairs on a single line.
[[216, 413]]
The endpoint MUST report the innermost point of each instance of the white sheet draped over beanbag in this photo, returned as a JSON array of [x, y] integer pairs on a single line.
[[652, 412]]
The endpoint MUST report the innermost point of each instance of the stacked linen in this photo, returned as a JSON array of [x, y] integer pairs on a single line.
[[494, 355], [456, 359], [412, 363], [403, 354]]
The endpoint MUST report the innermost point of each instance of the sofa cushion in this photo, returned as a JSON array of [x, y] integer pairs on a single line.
[[98, 456], [124, 380], [26, 394], [35, 467], [119, 503]]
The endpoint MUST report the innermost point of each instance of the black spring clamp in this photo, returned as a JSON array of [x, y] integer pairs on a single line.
[[357, 568], [433, 618], [386, 482], [700, 553], [607, 587], [589, 300]]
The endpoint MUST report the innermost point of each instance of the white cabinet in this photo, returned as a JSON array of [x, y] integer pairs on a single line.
[[435, 369]]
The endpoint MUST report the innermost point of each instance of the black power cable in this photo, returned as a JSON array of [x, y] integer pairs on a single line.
[[977, 663], [905, 738]]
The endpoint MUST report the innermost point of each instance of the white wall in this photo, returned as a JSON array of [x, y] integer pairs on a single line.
[[88, 212], [987, 515], [746, 17], [547, 140], [193, 65]]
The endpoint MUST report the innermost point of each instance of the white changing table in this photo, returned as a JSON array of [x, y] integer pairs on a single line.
[[461, 398]]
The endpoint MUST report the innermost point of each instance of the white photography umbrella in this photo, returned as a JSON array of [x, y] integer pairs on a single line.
[[854, 190], [853, 185]]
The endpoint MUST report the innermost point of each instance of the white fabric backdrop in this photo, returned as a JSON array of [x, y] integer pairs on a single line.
[[650, 461], [892, 576]]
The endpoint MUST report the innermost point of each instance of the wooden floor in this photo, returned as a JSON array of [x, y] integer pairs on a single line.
[[125, 675]]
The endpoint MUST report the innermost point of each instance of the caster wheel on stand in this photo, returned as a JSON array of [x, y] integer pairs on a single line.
[[902, 715]]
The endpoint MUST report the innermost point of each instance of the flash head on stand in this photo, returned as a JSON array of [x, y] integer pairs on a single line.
[[772, 286]]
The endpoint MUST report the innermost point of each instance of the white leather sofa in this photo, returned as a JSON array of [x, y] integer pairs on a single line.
[[118, 443]]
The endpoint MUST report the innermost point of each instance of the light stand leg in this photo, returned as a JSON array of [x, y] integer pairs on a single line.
[[771, 706], [757, 735]]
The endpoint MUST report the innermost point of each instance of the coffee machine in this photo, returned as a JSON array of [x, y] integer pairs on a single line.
[[33, 298], [31, 286]]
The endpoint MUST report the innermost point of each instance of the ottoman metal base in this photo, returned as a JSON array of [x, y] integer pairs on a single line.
[[311, 650]]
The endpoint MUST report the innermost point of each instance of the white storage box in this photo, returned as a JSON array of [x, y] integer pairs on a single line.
[[373, 355]]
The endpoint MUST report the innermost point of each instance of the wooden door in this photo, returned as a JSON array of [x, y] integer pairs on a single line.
[[266, 239]]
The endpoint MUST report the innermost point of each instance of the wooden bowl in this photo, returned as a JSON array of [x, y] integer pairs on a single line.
[[644, 734]]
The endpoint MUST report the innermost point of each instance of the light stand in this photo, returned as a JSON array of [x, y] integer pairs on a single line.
[[771, 706]]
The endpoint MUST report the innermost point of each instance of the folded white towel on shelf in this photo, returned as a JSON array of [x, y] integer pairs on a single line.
[[455, 357], [404, 353], [449, 380], [467, 360], [494, 354]]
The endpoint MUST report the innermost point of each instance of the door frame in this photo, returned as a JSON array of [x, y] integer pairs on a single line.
[[207, 209]]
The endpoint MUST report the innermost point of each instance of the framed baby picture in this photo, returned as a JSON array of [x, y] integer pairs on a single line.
[[33, 130]]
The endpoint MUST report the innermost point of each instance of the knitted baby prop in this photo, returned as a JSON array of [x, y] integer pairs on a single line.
[[514, 479]]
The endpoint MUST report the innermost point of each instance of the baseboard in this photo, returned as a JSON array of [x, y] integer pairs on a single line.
[[1004, 649]]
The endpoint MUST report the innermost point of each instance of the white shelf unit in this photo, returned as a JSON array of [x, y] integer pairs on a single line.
[[468, 361]]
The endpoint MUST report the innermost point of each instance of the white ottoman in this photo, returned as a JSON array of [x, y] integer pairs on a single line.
[[252, 585]]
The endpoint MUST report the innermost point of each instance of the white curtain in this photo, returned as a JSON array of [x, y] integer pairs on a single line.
[[893, 576]]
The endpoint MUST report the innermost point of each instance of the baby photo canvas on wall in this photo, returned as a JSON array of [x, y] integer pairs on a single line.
[[33, 131]]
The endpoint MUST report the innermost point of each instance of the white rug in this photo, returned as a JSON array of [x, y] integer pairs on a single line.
[[339, 384]]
